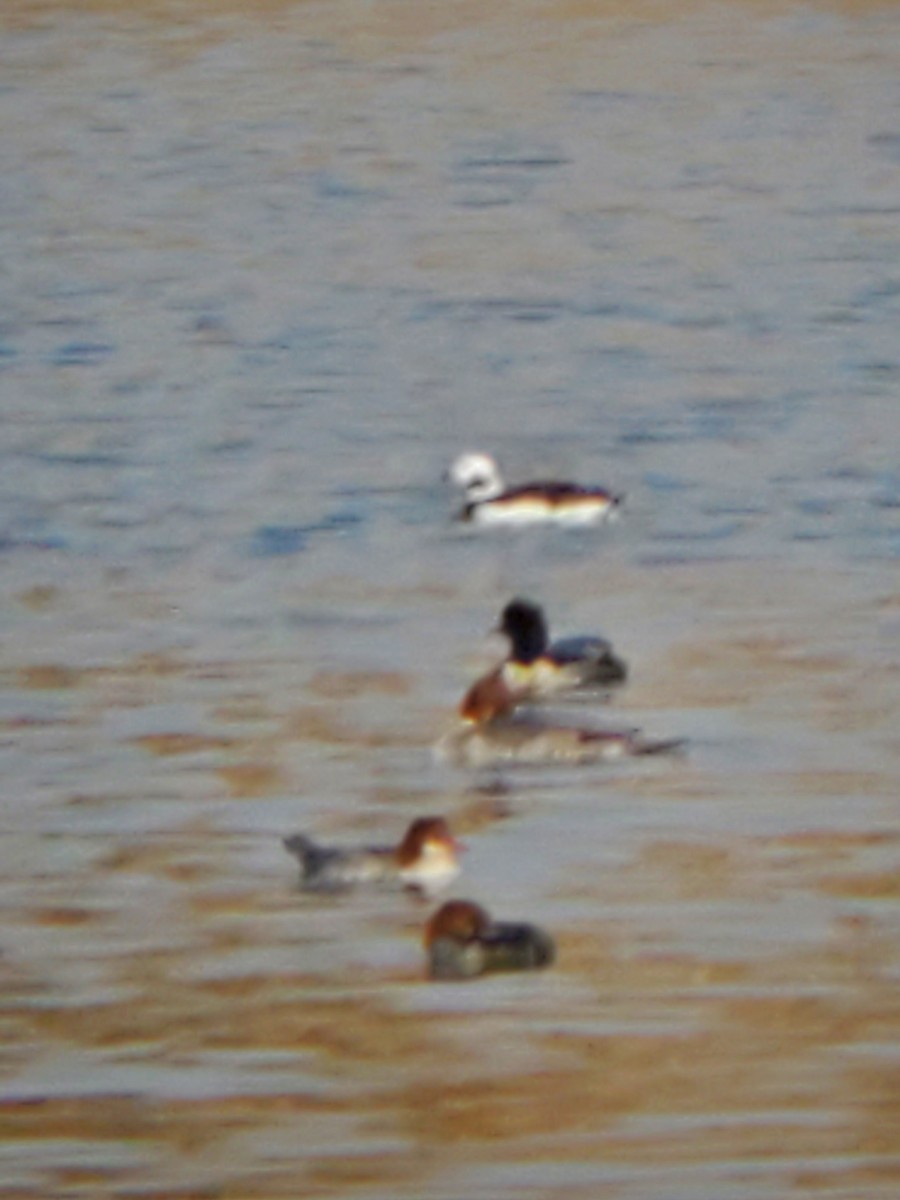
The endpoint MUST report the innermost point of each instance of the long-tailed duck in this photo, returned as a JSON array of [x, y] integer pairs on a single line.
[[489, 502]]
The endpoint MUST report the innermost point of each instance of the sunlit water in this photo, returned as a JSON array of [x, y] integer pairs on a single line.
[[263, 276]]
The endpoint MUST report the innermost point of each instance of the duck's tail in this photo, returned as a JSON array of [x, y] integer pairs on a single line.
[[643, 745], [310, 856]]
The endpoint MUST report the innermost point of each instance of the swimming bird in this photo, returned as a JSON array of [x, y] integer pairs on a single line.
[[537, 668], [490, 502], [462, 941], [546, 668], [522, 739], [494, 695], [426, 860]]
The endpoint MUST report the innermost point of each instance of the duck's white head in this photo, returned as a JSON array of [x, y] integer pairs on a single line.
[[478, 475]]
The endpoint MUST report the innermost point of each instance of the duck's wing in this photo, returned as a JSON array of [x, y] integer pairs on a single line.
[[512, 946], [591, 658], [582, 647]]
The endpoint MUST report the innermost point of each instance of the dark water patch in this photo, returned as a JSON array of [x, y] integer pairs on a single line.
[[123, 94], [323, 350], [828, 212], [533, 315], [880, 370], [337, 522], [236, 446], [77, 288], [361, 494], [329, 186], [713, 533], [79, 354], [290, 399], [659, 560], [599, 308], [698, 321], [839, 316], [212, 330], [619, 308], [701, 176], [118, 524], [510, 160], [474, 311], [485, 201], [810, 535], [887, 289], [276, 541], [502, 172], [733, 510], [508, 305], [85, 459], [648, 435], [629, 361], [49, 542], [849, 474], [817, 506]]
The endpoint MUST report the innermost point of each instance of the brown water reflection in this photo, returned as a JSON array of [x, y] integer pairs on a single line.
[[266, 268], [723, 1015]]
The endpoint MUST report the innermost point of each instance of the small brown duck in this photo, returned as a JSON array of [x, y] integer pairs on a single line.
[[462, 941], [427, 859]]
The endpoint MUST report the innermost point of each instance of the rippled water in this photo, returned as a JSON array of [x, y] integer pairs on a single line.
[[263, 275]]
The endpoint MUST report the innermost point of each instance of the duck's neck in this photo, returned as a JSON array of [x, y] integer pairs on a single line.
[[529, 642]]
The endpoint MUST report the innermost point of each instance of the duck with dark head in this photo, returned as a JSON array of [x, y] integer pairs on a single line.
[[550, 667]]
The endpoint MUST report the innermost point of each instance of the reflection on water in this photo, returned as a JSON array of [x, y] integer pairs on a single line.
[[264, 276]]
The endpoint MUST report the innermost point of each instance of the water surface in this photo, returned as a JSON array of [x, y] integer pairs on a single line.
[[264, 274]]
